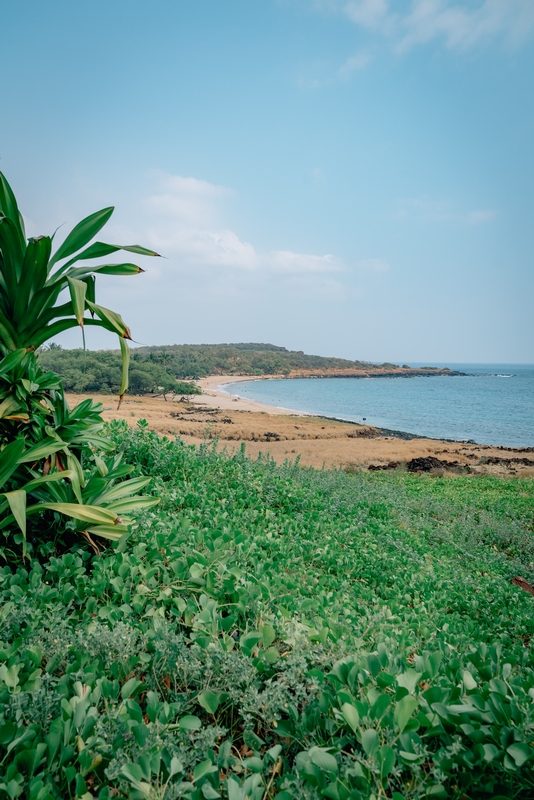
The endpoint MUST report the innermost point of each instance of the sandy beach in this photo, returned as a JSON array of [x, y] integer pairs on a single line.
[[285, 434]]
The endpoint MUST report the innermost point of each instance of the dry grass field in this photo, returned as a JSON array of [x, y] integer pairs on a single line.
[[319, 442]]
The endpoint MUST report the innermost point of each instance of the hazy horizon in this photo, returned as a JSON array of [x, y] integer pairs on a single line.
[[350, 178]]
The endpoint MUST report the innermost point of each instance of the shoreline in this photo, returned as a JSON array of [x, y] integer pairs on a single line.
[[231, 422], [281, 409], [270, 409]]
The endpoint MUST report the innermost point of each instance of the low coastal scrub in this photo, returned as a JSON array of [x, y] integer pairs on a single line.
[[274, 632]]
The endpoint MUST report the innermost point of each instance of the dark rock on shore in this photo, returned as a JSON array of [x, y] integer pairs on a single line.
[[429, 463], [524, 462]]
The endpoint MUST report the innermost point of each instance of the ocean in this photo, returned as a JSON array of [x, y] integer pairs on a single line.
[[491, 404]]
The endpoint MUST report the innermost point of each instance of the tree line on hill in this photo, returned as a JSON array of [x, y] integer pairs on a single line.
[[89, 371], [158, 369]]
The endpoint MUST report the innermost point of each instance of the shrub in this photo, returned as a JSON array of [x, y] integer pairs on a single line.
[[50, 456]]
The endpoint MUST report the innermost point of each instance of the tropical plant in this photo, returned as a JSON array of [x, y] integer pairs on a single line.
[[32, 279], [49, 454]]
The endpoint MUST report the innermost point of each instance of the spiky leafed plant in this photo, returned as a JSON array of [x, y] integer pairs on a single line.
[[32, 279], [49, 453]]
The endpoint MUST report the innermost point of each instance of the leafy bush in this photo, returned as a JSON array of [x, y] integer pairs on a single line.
[[49, 454], [277, 632]]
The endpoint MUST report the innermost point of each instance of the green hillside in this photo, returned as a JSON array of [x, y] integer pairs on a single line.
[[90, 371]]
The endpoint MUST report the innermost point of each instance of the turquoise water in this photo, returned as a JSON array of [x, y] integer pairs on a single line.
[[493, 404]]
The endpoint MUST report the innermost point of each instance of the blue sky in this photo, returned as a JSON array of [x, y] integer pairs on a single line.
[[346, 178]]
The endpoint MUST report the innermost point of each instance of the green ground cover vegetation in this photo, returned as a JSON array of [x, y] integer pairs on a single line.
[[276, 632]]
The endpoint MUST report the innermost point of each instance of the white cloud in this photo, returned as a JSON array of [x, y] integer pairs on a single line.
[[424, 209], [369, 13], [190, 200], [287, 261], [475, 217], [373, 265], [459, 24], [355, 63], [185, 215]]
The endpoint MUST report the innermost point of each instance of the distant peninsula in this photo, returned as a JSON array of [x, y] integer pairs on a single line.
[[157, 367]]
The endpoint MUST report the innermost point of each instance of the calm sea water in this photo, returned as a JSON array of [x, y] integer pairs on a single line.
[[493, 404]]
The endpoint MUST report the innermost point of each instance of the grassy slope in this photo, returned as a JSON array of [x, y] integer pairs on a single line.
[[271, 574]]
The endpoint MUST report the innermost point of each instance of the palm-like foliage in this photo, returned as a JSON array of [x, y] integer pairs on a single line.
[[32, 279], [54, 461]]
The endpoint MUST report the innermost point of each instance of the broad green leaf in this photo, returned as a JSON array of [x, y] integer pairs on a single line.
[[9, 407], [9, 207], [92, 514], [112, 269], [111, 320], [41, 450], [33, 274], [12, 258], [469, 682], [131, 688], [409, 679], [268, 635], [10, 676], [7, 332], [52, 477], [130, 504], [351, 715], [380, 706], [9, 459], [234, 790], [404, 710], [490, 751], [176, 767], [82, 233], [254, 764], [410, 757], [125, 355], [101, 249], [111, 532], [520, 752], [202, 769], [7, 732], [386, 759], [17, 504], [78, 291], [189, 723], [323, 759], [125, 488], [370, 741], [12, 360], [90, 282], [209, 700]]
